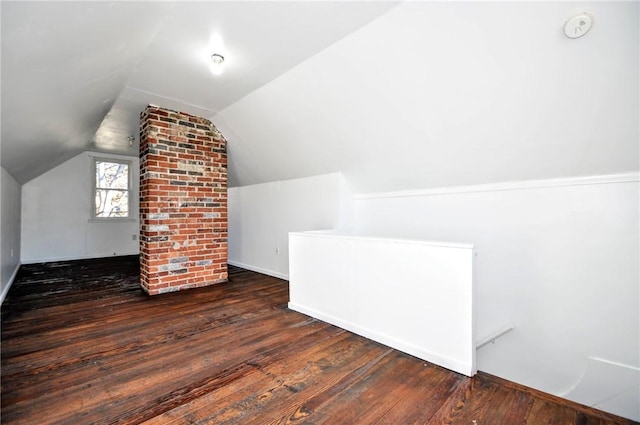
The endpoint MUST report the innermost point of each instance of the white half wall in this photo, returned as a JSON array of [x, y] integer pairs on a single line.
[[56, 215], [10, 204], [261, 217], [558, 259], [415, 296]]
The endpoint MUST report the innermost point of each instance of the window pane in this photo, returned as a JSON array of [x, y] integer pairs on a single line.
[[112, 175], [112, 203]]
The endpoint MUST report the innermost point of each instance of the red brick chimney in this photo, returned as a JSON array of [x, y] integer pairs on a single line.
[[183, 202]]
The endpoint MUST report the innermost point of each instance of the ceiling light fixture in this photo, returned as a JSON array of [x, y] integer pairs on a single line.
[[216, 63], [131, 139]]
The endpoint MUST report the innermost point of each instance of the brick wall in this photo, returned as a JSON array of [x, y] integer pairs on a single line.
[[183, 202]]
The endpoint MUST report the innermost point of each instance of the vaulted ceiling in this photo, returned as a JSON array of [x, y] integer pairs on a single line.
[[75, 75], [393, 95], [441, 94]]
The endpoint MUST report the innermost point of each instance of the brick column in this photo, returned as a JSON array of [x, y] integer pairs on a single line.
[[183, 202]]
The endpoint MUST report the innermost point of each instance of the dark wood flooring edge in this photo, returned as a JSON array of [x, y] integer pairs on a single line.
[[587, 410]]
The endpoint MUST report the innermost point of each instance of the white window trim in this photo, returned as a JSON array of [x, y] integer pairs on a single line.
[[92, 204]]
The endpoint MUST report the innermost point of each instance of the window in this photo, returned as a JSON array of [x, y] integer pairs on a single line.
[[111, 188]]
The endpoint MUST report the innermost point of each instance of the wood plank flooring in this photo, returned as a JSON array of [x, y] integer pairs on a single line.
[[82, 344]]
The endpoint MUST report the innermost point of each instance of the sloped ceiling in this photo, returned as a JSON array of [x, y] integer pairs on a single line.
[[75, 75], [62, 73], [408, 96], [437, 94]]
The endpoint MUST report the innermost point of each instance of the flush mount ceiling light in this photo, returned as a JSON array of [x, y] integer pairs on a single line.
[[216, 63]]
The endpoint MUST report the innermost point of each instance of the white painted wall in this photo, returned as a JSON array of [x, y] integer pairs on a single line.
[[261, 217], [56, 222], [435, 94], [443, 94], [10, 203], [415, 296], [557, 259]]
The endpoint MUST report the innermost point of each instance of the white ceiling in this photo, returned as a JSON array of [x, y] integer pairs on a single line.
[[439, 94], [75, 75], [395, 96]]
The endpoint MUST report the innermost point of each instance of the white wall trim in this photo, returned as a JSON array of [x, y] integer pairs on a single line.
[[259, 270], [81, 257], [107, 156], [517, 185], [448, 362], [336, 234], [5, 291]]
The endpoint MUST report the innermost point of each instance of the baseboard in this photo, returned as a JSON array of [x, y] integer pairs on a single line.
[[259, 270], [388, 340], [5, 291], [77, 257]]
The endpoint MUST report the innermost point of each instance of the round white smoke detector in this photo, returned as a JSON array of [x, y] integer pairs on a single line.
[[578, 25]]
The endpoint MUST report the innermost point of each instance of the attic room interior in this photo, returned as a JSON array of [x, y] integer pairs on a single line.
[[320, 212]]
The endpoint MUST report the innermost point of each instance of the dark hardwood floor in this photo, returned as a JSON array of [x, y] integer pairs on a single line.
[[82, 344]]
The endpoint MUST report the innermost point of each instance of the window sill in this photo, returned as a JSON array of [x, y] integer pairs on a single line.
[[112, 220]]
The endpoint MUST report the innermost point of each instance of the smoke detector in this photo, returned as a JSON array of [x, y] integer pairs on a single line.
[[578, 25]]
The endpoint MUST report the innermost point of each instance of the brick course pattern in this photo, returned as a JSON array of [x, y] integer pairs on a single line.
[[183, 202]]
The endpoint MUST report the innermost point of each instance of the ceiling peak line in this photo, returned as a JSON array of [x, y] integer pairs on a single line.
[[171, 99]]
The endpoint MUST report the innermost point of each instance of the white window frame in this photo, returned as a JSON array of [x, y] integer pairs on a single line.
[[94, 161]]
